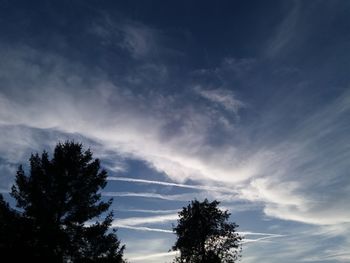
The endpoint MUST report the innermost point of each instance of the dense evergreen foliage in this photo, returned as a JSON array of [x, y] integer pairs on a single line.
[[58, 204], [204, 234]]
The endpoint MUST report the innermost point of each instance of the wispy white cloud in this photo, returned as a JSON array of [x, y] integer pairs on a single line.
[[157, 249], [260, 239], [133, 221], [137, 223], [230, 66], [141, 228], [298, 173], [76, 105], [154, 256], [222, 97], [265, 237], [339, 257], [147, 211], [304, 242], [285, 32], [196, 187], [175, 197], [139, 40], [278, 175], [123, 223], [135, 180], [249, 233], [180, 197]]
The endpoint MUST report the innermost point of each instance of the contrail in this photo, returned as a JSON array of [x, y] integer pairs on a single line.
[[142, 228], [261, 239], [247, 233], [155, 255], [135, 180], [133, 221], [178, 197], [148, 211], [197, 187]]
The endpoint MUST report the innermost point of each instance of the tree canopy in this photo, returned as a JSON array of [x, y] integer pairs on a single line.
[[57, 203], [204, 234]]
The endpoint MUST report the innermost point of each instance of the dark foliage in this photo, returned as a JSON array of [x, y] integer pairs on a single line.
[[205, 236], [56, 201]]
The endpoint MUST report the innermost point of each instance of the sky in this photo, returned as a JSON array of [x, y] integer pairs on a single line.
[[245, 102]]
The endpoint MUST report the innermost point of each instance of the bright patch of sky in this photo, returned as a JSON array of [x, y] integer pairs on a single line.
[[244, 102]]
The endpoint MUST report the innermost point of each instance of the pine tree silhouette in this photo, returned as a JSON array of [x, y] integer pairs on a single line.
[[58, 202]]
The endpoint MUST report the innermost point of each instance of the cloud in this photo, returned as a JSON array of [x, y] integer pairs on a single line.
[[134, 221], [230, 67], [135, 180], [176, 197], [139, 40], [260, 239], [51, 93], [157, 249], [141, 228], [285, 33], [147, 211], [221, 97], [133, 125], [265, 237], [154, 256], [300, 172], [307, 243], [248, 233], [196, 187]]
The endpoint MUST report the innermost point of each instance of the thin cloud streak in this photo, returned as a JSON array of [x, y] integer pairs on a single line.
[[133, 221], [151, 229], [174, 197], [148, 211], [261, 239], [247, 233], [142, 228], [222, 97], [155, 255], [177, 197], [144, 181]]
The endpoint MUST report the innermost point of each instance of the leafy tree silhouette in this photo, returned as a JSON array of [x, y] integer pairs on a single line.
[[56, 203], [205, 236]]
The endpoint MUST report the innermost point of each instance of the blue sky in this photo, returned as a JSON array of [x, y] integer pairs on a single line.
[[246, 102]]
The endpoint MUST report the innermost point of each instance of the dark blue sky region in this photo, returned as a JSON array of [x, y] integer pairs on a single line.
[[246, 102]]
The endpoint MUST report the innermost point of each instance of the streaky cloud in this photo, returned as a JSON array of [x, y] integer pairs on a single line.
[[175, 197], [147, 211], [261, 239], [142, 228], [133, 221], [155, 255], [222, 97], [197, 187]]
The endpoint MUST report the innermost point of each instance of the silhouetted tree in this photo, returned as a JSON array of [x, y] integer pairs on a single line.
[[205, 236], [58, 201]]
